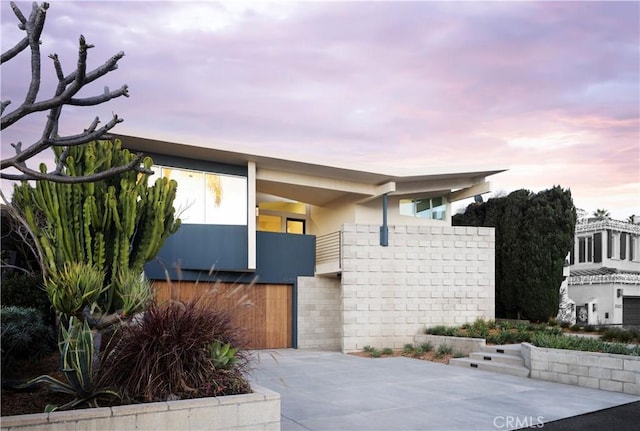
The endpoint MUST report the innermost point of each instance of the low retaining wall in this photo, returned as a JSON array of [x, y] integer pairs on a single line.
[[259, 410], [461, 345], [605, 371]]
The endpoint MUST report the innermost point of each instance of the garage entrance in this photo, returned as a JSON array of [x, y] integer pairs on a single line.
[[264, 311], [631, 310]]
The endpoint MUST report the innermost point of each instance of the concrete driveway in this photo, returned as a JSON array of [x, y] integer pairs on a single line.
[[333, 391]]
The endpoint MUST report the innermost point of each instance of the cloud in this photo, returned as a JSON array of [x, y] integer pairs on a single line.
[[414, 84]]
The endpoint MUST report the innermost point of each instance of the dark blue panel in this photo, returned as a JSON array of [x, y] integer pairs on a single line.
[[198, 247], [282, 257]]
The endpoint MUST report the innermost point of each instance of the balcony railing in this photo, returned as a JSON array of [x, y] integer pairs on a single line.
[[328, 253], [591, 225]]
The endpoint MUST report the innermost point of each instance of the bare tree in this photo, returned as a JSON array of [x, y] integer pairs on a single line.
[[65, 94]]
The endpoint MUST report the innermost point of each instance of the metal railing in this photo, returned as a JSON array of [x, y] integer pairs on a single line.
[[328, 247], [590, 225], [618, 278]]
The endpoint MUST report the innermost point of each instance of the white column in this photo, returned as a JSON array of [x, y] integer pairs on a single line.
[[251, 215]]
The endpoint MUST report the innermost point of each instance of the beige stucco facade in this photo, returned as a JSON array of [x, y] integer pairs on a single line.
[[381, 274]]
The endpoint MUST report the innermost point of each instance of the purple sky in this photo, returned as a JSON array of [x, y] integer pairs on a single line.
[[549, 90]]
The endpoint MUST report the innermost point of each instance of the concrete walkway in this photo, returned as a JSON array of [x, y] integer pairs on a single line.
[[333, 391]]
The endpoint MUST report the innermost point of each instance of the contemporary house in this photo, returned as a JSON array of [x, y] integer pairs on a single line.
[[314, 256], [604, 269]]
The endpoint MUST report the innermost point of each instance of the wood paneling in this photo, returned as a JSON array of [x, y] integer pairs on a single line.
[[264, 311]]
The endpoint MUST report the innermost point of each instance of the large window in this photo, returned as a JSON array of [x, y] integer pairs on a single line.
[[429, 208], [208, 198]]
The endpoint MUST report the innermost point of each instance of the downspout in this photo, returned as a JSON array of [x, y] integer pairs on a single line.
[[384, 229]]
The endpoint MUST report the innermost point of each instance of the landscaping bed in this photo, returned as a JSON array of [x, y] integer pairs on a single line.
[[550, 335], [424, 351]]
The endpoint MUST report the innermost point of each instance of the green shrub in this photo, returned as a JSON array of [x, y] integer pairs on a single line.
[[408, 348], [617, 334], [367, 349], [554, 330], [25, 290], [25, 335], [387, 351], [506, 325], [481, 328], [164, 354], [587, 344], [375, 353], [426, 346], [443, 349], [442, 330]]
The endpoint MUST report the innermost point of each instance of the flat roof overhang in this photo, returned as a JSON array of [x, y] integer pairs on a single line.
[[319, 184]]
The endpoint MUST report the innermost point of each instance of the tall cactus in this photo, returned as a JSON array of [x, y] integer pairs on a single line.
[[117, 224]]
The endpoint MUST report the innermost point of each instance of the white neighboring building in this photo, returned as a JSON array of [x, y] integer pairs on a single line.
[[604, 276]]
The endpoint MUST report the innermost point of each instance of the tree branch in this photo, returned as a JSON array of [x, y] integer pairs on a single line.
[[66, 90], [30, 174], [105, 97], [12, 52]]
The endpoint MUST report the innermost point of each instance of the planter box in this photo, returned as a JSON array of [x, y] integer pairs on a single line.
[[461, 345], [259, 410], [605, 371]]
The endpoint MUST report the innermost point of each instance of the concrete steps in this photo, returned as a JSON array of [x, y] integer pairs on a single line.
[[505, 359]]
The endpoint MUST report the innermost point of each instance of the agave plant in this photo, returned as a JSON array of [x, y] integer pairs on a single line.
[[223, 355], [74, 286], [132, 291], [77, 356]]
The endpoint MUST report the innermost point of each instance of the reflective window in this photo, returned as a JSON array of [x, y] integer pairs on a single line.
[[429, 208], [269, 223], [295, 226], [207, 198]]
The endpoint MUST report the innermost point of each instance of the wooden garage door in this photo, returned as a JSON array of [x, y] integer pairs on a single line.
[[264, 311], [631, 310]]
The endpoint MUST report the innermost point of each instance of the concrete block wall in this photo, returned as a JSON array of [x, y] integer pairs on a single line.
[[462, 345], [319, 313], [259, 410], [427, 275], [605, 371]]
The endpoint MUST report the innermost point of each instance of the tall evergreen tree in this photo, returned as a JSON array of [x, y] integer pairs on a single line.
[[534, 233]]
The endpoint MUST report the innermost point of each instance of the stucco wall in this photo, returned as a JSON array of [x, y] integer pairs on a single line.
[[606, 298], [427, 275], [319, 313]]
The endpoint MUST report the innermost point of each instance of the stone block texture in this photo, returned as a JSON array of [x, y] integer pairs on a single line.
[[319, 313], [604, 371], [257, 411], [426, 276]]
